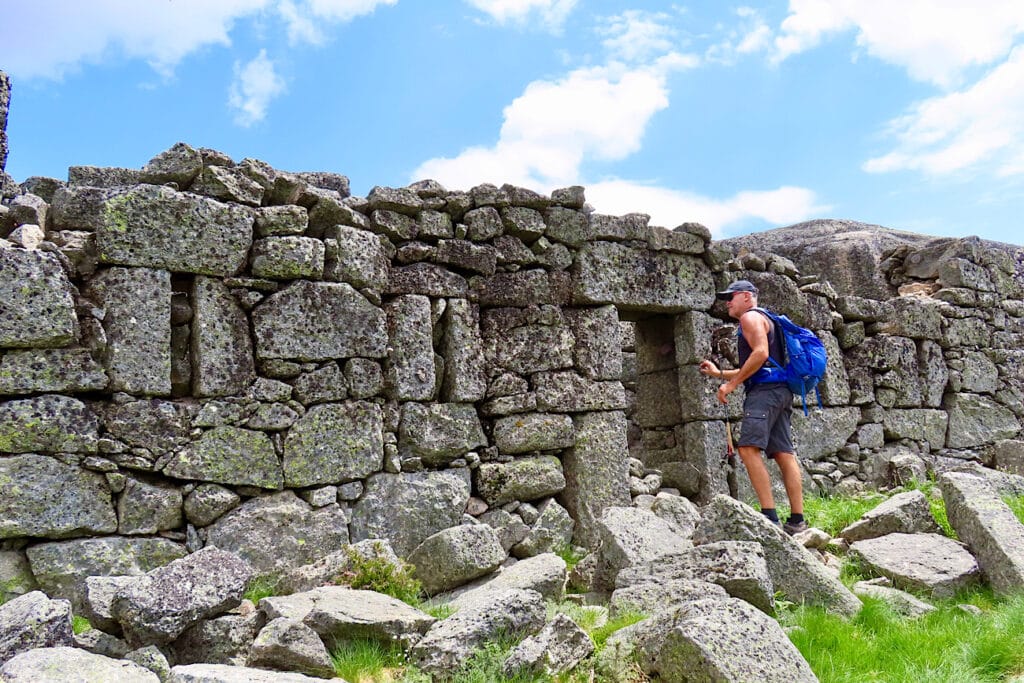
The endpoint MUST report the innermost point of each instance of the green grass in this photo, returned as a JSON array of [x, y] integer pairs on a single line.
[[1016, 504], [947, 645], [368, 661], [259, 587], [380, 575], [571, 555], [930, 489], [80, 624]]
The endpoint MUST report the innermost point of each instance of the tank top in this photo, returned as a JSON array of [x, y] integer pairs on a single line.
[[775, 350]]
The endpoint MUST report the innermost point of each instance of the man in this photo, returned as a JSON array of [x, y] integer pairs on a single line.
[[768, 406]]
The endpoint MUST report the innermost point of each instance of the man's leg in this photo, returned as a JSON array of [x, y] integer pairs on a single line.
[[759, 478], [791, 479]]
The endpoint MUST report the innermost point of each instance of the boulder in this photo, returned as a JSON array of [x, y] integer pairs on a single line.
[[157, 227], [63, 663], [148, 508], [924, 562], [41, 496], [222, 640], [224, 673], [280, 531], [157, 607], [533, 432], [794, 570], [36, 306], [976, 420], [523, 479], [989, 528], [905, 513], [430, 502], [900, 601], [328, 568], [221, 346], [558, 648], [461, 347], [179, 165], [31, 621], [650, 595], [455, 556], [630, 536], [597, 353], [289, 645], [357, 257], [450, 642], [339, 612], [409, 371], [545, 574], [15, 575], [550, 533]]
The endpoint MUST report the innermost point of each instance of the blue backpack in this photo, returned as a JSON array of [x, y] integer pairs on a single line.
[[805, 358]]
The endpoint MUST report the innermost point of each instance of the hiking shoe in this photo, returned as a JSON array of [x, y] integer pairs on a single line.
[[792, 528]]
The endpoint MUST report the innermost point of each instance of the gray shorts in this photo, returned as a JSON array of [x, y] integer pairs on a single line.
[[767, 410]]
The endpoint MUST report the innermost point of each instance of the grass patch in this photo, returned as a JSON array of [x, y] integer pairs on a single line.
[[259, 587], [938, 507], [80, 624], [381, 575], [835, 513], [368, 661], [570, 554], [947, 645], [1016, 504]]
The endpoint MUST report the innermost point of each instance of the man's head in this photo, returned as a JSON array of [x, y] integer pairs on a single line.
[[740, 296]]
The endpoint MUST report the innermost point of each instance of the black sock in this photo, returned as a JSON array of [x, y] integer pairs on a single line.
[[796, 518], [770, 514]]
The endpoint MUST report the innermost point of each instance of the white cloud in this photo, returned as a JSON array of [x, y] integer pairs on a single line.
[[954, 131], [549, 130], [667, 207], [49, 38], [255, 85], [750, 35], [552, 13], [635, 35], [935, 40]]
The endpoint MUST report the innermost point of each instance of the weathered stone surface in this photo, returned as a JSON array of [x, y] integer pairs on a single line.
[[905, 513], [146, 508], [799, 575], [1008, 456], [701, 637], [737, 566], [158, 606], [523, 479], [900, 601], [515, 342], [36, 307], [281, 220], [99, 596], [63, 663], [924, 562], [630, 278], [137, 323], [427, 279], [280, 531], [464, 255], [545, 574], [703, 443], [41, 496], [920, 424], [224, 673], [678, 511], [47, 424], [409, 371], [50, 370], [334, 443], [228, 185], [229, 455], [449, 642], [289, 645], [15, 575], [33, 620], [823, 432], [328, 568], [523, 288], [558, 648], [288, 258], [158, 426], [465, 379], [356, 256], [533, 432], [596, 472], [61, 567], [550, 533], [318, 321], [631, 536], [439, 432], [180, 164], [430, 502], [222, 640], [455, 556], [989, 528], [221, 347], [157, 227], [597, 353], [569, 392], [658, 593], [975, 420]]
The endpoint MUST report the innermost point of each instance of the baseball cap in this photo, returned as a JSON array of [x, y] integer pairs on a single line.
[[738, 286]]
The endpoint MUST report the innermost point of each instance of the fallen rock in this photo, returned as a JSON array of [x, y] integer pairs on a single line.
[[34, 621], [904, 513], [289, 645], [558, 648], [631, 536], [456, 555], [925, 562], [63, 664], [545, 574], [901, 602], [223, 673]]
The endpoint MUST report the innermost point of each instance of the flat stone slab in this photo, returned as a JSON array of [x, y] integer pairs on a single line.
[[923, 562], [33, 620], [224, 673], [989, 528], [63, 664], [36, 307], [47, 424], [905, 513]]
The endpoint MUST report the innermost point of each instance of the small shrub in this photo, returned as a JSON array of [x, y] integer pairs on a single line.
[[380, 575], [570, 554], [367, 661], [262, 586]]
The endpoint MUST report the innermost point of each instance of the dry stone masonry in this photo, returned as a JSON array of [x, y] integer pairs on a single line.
[[213, 370]]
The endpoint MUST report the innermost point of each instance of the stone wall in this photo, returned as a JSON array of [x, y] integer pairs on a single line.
[[210, 352], [5, 101]]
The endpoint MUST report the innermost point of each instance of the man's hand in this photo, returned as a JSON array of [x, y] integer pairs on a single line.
[[709, 368], [725, 390]]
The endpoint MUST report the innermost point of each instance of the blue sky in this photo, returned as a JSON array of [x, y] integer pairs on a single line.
[[742, 116]]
